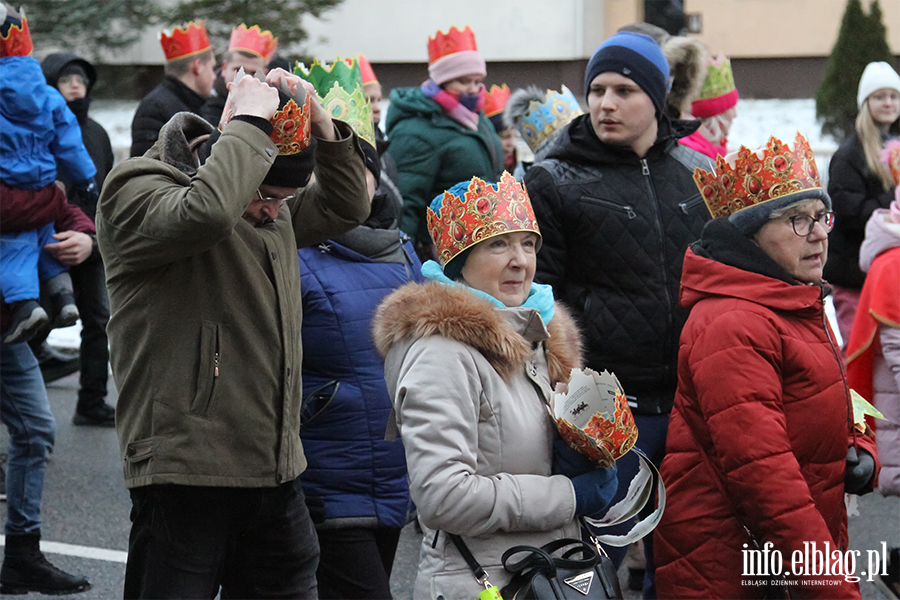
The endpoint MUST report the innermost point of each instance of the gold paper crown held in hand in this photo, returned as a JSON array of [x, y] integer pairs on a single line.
[[747, 178]]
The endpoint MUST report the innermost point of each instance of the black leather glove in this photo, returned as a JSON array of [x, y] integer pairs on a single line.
[[570, 462], [859, 471], [85, 195]]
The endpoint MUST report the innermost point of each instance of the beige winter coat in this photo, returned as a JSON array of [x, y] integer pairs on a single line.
[[469, 384]]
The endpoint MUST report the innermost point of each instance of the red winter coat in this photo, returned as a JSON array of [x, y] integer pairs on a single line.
[[761, 387]]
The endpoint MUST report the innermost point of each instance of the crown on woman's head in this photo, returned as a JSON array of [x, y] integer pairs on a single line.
[[544, 119], [483, 211], [749, 178], [340, 89], [184, 42], [444, 44], [254, 41]]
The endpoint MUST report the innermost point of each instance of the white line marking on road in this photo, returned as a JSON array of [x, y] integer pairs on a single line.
[[80, 551]]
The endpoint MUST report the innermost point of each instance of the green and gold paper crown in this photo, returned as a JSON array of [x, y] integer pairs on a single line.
[[718, 93], [340, 90]]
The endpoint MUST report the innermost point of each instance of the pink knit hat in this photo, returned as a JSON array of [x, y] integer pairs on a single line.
[[453, 55]]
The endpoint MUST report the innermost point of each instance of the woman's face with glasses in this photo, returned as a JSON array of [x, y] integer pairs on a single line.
[[798, 240]]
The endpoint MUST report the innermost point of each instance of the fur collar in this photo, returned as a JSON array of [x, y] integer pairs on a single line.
[[420, 310], [179, 140]]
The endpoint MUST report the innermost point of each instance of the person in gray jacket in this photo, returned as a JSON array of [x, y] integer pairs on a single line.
[[205, 300], [471, 358]]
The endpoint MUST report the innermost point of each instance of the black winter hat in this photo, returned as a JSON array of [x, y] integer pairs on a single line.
[[56, 65]]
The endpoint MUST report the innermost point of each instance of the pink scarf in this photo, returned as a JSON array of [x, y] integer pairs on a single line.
[[451, 104]]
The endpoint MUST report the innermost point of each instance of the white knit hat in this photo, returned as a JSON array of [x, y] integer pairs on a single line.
[[876, 76]]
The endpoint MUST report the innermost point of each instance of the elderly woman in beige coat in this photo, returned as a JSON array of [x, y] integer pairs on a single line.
[[470, 361]]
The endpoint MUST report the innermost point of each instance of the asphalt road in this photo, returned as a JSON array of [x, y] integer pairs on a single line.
[[85, 509]]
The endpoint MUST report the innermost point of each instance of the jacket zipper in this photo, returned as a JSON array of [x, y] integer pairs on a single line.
[[645, 170], [629, 210], [840, 363], [688, 205]]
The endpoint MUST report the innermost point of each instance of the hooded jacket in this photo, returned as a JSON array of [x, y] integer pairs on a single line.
[[37, 129], [433, 153], [96, 140], [360, 476], [469, 384], [855, 194], [761, 393], [615, 228], [171, 96], [873, 350], [206, 309]]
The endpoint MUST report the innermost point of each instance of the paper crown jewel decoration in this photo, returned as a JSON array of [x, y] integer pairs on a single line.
[[891, 157], [747, 178], [718, 93], [593, 416], [495, 100], [365, 70], [339, 87], [184, 42], [445, 44], [544, 119], [291, 123], [253, 41], [17, 41], [485, 210]]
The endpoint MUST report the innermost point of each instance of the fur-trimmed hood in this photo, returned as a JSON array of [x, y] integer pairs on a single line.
[[688, 60], [420, 310]]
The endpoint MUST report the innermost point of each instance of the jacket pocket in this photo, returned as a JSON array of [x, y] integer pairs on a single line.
[[627, 209], [140, 450], [317, 402], [208, 375], [690, 205]]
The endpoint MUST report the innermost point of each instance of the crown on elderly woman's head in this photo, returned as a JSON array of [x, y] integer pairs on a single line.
[[482, 211], [444, 44], [184, 42], [771, 173], [254, 41]]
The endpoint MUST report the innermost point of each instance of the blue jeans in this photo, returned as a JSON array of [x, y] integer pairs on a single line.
[[25, 411], [652, 430], [25, 262], [187, 541]]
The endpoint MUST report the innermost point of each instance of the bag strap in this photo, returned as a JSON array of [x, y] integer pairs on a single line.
[[481, 575]]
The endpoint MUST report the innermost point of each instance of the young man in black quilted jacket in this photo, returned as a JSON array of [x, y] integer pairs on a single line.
[[617, 206]]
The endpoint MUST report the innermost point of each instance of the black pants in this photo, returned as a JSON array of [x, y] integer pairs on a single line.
[[89, 283], [356, 563], [253, 542]]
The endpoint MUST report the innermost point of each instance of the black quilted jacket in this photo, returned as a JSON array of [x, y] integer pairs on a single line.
[[615, 229], [171, 96]]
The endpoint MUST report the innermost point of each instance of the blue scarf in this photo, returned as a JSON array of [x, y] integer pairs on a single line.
[[539, 298]]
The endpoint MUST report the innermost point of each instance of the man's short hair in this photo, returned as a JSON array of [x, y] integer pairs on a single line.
[[179, 67], [230, 54]]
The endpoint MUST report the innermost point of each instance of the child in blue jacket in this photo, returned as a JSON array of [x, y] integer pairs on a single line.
[[36, 129]]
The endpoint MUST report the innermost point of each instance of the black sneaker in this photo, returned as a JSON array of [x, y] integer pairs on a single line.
[[889, 584], [26, 569], [97, 415], [28, 318], [65, 313]]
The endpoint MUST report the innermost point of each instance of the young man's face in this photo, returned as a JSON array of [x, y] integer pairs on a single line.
[[71, 87], [205, 76], [237, 60], [621, 112]]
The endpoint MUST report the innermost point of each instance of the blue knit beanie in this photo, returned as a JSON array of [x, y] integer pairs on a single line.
[[637, 57]]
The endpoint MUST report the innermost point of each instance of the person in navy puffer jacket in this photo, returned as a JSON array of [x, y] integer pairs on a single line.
[[354, 476]]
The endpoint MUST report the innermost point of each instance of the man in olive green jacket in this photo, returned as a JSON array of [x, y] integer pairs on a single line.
[[204, 290]]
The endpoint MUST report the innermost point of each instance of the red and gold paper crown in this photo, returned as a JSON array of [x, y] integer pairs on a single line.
[[495, 100], [253, 40], [485, 210], [182, 43], [290, 124], [365, 69], [17, 41], [771, 173], [452, 42]]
